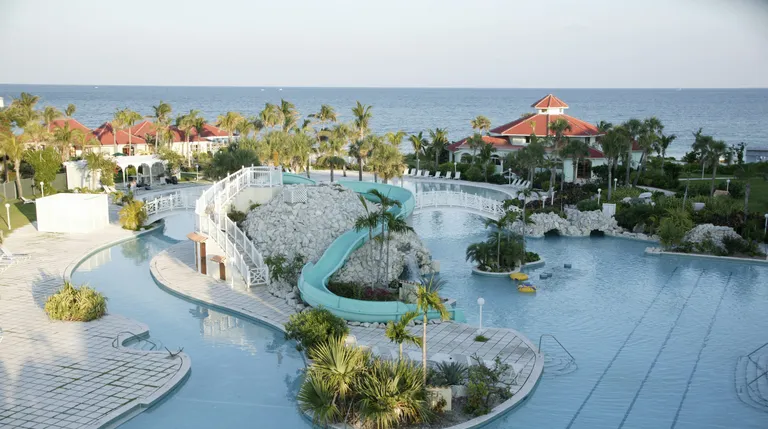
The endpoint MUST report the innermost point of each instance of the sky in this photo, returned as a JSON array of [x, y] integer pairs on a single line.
[[393, 43]]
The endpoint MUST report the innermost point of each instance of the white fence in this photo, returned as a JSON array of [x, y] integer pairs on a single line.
[[484, 206], [182, 199], [213, 221]]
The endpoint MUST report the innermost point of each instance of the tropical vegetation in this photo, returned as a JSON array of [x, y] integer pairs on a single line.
[[314, 327], [77, 304]]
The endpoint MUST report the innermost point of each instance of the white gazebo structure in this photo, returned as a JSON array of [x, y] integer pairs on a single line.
[[149, 168], [78, 175]]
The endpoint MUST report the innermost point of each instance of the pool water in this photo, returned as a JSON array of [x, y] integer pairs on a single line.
[[656, 339], [243, 374]]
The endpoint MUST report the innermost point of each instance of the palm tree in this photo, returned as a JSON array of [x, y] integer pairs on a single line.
[[388, 162], [185, 124], [363, 115], [13, 148], [577, 150], [26, 101], [49, 115], [269, 117], [327, 115], [398, 333], [64, 138], [500, 225], [717, 149], [318, 398], [481, 253], [198, 123], [161, 115], [481, 123], [661, 147], [338, 365], [439, 137], [633, 128], [392, 394], [229, 122], [428, 299], [395, 224], [245, 127], [288, 115], [486, 155], [385, 203], [395, 138], [418, 143], [603, 127], [558, 127], [649, 136], [129, 119], [360, 150], [475, 142], [70, 110], [117, 123], [370, 221], [613, 145]]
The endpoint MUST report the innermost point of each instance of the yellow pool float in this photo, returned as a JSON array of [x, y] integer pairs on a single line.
[[526, 288], [518, 276]]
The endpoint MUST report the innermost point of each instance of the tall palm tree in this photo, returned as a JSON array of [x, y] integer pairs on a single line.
[[486, 155], [229, 122], [439, 137], [613, 145], [701, 145], [661, 147], [245, 127], [418, 143], [603, 127], [198, 123], [269, 117], [326, 115], [13, 147], [428, 299], [649, 136], [70, 110], [117, 123], [577, 150], [388, 162], [500, 224], [633, 128], [385, 204], [64, 138], [398, 333], [475, 142], [362, 118], [717, 149], [49, 115], [369, 221], [481, 123], [361, 150], [185, 124], [559, 127], [395, 224], [129, 119], [288, 115], [332, 147], [26, 101], [161, 115]]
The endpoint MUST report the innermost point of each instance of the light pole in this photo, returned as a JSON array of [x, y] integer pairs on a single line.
[[615, 183], [42, 188], [599, 190], [480, 302], [765, 228], [8, 215], [454, 168], [727, 185], [197, 172]]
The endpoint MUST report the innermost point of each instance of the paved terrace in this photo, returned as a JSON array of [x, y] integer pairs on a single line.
[[174, 268], [69, 374]]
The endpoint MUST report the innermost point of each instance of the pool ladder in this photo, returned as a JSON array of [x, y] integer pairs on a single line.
[[751, 379], [555, 363], [135, 341]]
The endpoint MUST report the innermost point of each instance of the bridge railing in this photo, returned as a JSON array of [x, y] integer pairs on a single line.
[[479, 203], [181, 199], [213, 221]]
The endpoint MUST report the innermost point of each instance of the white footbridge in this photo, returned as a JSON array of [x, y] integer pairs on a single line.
[[211, 205]]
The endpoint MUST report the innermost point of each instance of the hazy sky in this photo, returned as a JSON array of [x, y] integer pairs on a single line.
[[400, 43]]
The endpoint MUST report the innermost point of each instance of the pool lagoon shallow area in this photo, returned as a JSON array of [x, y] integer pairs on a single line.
[[656, 340]]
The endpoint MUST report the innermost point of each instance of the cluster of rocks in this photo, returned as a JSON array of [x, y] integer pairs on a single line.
[[363, 265], [308, 228], [708, 232], [575, 224]]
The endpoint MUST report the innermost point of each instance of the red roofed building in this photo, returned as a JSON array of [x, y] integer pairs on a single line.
[[515, 135], [74, 124], [119, 142]]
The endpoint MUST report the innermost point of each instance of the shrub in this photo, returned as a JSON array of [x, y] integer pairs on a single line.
[[673, 228], [280, 269], [363, 293], [133, 215], [448, 374], [531, 257], [81, 304], [588, 205], [117, 197], [487, 386], [236, 216], [481, 338], [314, 327], [474, 174]]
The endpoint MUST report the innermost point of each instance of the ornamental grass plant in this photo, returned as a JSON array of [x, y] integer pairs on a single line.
[[81, 304]]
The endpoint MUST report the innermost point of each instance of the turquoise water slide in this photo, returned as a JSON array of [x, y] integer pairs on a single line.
[[313, 280], [295, 179]]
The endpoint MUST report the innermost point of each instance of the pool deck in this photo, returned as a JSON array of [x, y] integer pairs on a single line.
[[70, 374], [174, 269]]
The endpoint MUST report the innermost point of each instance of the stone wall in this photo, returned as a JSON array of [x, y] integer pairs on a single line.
[[576, 223]]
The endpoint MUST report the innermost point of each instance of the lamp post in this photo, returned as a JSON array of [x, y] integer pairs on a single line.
[[615, 183], [481, 302], [8, 215], [765, 228], [454, 168], [727, 185], [197, 172], [42, 188], [599, 190]]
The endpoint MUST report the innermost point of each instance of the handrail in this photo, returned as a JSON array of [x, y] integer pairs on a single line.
[[759, 368], [558, 342], [225, 233], [446, 198]]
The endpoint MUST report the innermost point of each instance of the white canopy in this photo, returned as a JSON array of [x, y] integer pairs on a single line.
[[137, 161]]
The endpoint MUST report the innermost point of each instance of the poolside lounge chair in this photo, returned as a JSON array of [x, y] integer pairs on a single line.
[[7, 258], [438, 174], [407, 172], [416, 173], [27, 201], [457, 176], [424, 173]]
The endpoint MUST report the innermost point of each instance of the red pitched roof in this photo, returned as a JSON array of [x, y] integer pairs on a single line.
[[146, 127], [595, 153], [74, 124], [524, 127], [549, 101], [211, 131], [142, 129], [499, 143], [104, 134]]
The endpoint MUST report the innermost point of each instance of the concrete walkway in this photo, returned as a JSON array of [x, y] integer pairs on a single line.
[[174, 269], [69, 374]]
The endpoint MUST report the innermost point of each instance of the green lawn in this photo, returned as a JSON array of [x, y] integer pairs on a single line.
[[758, 194], [21, 214]]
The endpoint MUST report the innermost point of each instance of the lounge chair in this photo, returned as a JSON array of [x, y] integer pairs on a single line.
[[7, 258], [438, 174], [407, 172], [457, 176], [27, 201], [425, 173], [416, 173]]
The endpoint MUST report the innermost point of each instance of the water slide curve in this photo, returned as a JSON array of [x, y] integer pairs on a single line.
[[313, 280]]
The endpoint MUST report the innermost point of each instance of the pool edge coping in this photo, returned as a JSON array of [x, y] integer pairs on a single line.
[[128, 411], [498, 411]]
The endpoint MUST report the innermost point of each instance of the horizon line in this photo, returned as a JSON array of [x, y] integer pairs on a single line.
[[379, 87]]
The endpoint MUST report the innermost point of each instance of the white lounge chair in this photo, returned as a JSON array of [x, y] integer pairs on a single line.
[[416, 173], [27, 201], [7, 258], [438, 174], [407, 172], [457, 176], [425, 173]]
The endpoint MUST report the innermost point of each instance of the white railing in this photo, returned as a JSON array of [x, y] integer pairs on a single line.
[[213, 221], [487, 206], [178, 200]]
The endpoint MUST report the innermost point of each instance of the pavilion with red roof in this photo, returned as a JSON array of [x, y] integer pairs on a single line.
[[515, 135]]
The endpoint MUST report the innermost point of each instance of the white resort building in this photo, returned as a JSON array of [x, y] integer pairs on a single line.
[[516, 135]]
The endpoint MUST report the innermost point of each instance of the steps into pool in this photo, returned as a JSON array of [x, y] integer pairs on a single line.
[[751, 377]]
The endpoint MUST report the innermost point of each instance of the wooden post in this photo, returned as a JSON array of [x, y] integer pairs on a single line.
[[222, 269], [200, 260]]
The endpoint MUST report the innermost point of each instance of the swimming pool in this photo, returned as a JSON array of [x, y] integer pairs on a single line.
[[656, 339], [243, 373]]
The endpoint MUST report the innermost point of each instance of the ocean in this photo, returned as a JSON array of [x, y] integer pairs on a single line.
[[732, 115]]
